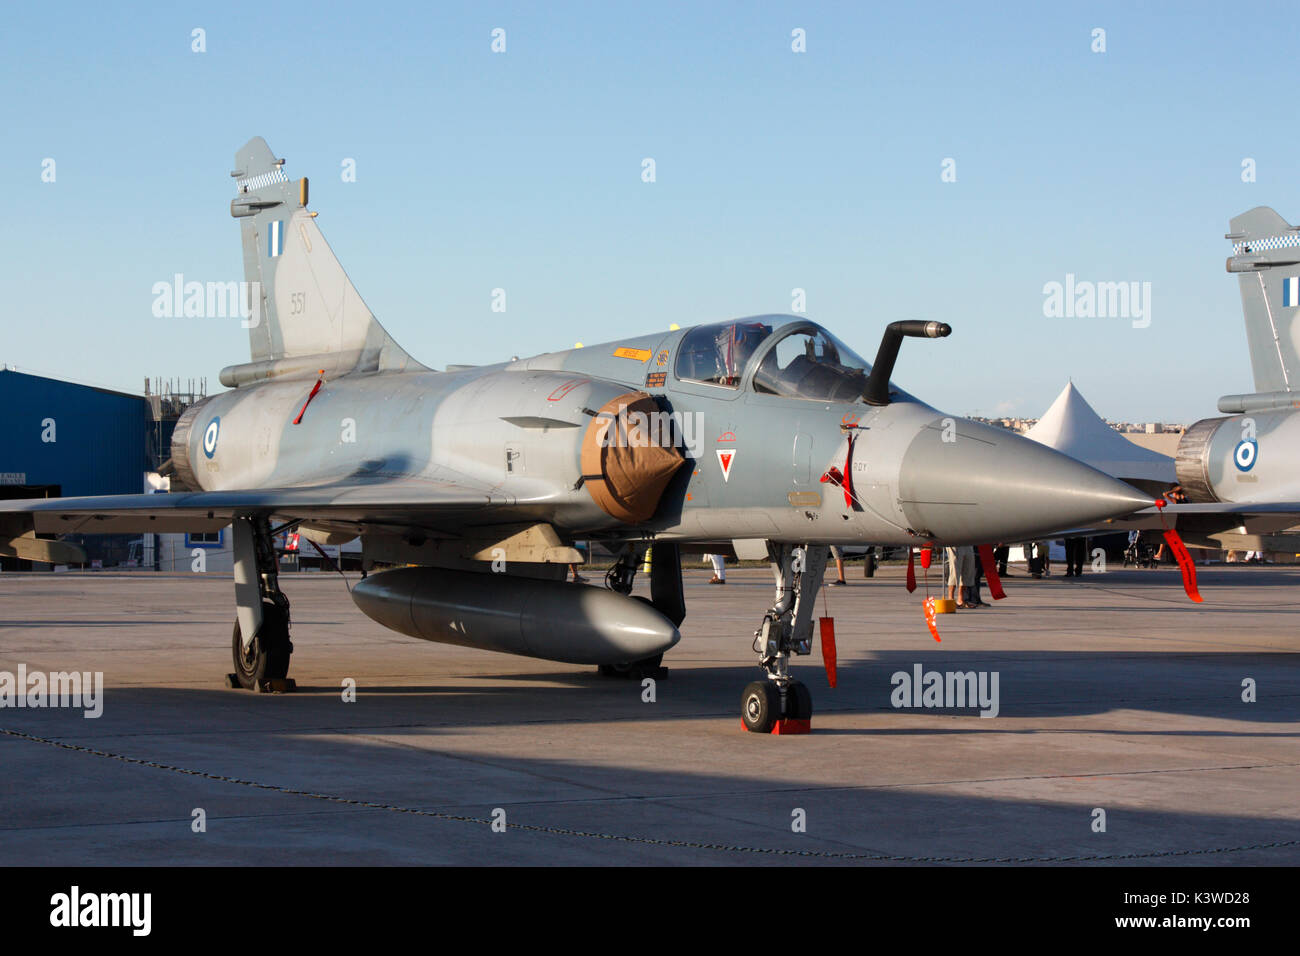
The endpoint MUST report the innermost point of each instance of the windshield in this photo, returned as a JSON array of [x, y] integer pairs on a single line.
[[812, 364], [716, 354]]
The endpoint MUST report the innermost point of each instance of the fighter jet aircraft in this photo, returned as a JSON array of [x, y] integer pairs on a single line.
[[1241, 473], [471, 485]]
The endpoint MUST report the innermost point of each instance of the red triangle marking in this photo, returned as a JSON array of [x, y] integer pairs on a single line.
[[725, 458]]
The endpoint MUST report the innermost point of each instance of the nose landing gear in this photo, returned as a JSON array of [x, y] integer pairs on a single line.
[[767, 707], [779, 704]]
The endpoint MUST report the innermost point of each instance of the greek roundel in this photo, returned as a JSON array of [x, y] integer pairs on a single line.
[[210, 437], [1245, 454]]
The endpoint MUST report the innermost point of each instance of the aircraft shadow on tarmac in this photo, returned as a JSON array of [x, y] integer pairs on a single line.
[[1031, 684], [660, 804], [566, 749]]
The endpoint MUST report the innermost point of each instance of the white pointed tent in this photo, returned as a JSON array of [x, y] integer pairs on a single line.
[[1073, 428]]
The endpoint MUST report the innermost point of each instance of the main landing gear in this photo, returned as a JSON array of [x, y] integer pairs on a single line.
[[260, 645], [778, 703]]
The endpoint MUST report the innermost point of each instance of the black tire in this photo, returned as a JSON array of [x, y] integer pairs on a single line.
[[268, 655], [649, 667], [760, 706], [798, 701]]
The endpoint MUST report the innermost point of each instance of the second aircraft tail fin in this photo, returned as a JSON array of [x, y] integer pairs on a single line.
[[1266, 257]]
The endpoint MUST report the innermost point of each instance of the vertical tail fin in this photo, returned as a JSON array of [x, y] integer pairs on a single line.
[[305, 312], [1266, 256]]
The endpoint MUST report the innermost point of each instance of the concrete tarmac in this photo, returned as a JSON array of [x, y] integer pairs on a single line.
[[1115, 693]]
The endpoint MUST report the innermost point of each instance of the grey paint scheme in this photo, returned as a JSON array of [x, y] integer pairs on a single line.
[[429, 459], [448, 432], [332, 320], [1207, 451], [1266, 252], [1231, 506], [1266, 255], [473, 610]]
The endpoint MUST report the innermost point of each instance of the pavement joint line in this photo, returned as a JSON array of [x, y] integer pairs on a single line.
[[866, 788], [185, 820], [484, 761], [653, 841], [377, 735]]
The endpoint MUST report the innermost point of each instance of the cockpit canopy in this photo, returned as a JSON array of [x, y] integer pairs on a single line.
[[812, 364], [806, 362], [717, 354]]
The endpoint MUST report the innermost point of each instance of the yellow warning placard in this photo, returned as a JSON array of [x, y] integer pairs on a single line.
[[640, 355]]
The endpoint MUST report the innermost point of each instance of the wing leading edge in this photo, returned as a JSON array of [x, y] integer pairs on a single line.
[[405, 503]]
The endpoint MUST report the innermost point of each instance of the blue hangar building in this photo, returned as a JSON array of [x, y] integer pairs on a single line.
[[62, 439]]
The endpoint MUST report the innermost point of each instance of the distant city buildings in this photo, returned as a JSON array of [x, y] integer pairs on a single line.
[[1022, 425]]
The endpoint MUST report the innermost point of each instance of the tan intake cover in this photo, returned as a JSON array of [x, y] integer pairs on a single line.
[[626, 461]]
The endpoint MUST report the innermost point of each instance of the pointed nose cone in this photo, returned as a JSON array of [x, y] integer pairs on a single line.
[[975, 484]]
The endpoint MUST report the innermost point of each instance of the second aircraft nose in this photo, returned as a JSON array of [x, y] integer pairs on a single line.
[[974, 484]]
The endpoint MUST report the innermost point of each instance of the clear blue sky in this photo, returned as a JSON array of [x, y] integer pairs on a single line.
[[775, 170]]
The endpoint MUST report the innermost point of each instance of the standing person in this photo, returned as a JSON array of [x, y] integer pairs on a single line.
[[976, 599], [1133, 554], [573, 568], [961, 574], [1000, 555], [1039, 558], [1174, 495], [719, 568], [1076, 549], [838, 555]]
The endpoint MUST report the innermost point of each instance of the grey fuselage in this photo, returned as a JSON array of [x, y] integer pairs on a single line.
[[517, 428], [1242, 458]]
